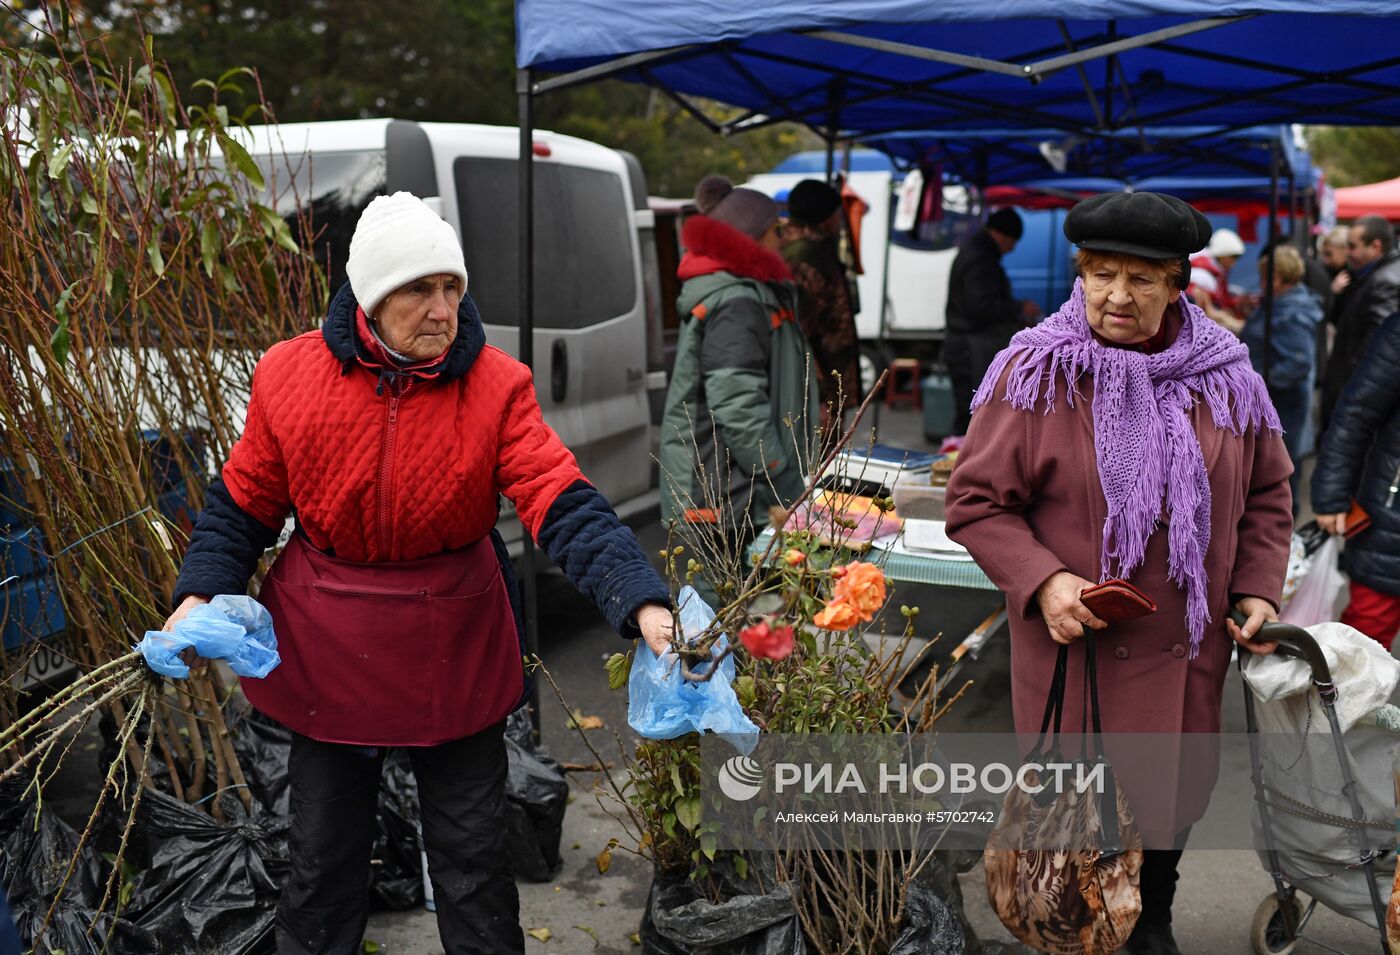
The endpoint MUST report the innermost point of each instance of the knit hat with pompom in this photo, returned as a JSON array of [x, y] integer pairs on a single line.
[[747, 210], [399, 239]]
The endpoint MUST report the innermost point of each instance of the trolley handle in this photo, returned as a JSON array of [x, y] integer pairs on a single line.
[[1293, 641]]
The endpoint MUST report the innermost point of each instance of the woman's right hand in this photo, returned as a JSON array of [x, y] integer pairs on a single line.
[[192, 660], [1332, 523], [1064, 613]]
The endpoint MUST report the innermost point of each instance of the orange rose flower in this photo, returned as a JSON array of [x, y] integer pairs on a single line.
[[837, 615], [863, 587]]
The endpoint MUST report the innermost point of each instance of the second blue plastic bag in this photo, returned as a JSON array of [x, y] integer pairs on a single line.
[[236, 629], [662, 705]]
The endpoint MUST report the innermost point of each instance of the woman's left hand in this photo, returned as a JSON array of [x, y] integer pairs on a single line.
[[657, 625], [1259, 612]]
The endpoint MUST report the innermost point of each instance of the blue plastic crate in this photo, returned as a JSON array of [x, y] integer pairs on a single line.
[[14, 503], [22, 553], [165, 461], [32, 611]]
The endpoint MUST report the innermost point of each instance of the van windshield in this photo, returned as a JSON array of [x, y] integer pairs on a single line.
[[334, 188]]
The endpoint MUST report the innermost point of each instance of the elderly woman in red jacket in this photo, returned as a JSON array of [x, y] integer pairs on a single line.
[[1128, 436], [390, 433]]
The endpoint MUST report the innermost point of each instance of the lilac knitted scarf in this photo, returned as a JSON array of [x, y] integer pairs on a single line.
[[1145, 446]]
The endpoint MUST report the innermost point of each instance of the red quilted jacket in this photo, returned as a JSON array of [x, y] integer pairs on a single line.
[[387, 466]]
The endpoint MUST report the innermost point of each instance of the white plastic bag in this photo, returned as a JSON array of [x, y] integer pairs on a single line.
[[1364, 672], [1321, 595]]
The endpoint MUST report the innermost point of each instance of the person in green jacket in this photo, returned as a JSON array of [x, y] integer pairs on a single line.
[[742, 399]]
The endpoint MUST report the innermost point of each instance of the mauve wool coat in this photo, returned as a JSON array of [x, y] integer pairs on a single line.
[[1026, 501]]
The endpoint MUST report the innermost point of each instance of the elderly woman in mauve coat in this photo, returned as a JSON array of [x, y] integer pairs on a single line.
[[391, 433], [1127, 436]]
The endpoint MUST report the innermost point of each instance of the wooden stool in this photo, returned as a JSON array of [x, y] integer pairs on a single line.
[[904, 384]]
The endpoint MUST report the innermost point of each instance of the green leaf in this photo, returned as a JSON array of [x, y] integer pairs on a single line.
[[230, 74], [89, 203], [741, 867], [209, 245], [619, 667], [61, 341], [59, 162], [746, 690], [275, 227], [370, 948], [688, 813], [241, 160], [154, 254], [708, 845], [676, 780], [166, 93]]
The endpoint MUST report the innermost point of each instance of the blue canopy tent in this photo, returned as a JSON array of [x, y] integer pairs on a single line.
[[1083, 67], [881, 65]]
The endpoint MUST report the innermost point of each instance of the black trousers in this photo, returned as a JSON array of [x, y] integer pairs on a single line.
[[968, 356], [462, 794]]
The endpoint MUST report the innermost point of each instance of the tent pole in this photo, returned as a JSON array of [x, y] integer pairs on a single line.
[[1269, 262], [525, 328], [1293, 208], [833, 125]]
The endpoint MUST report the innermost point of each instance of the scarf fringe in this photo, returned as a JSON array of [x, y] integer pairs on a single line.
[[1145, 447]]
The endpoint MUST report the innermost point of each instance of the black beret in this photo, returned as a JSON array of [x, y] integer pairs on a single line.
[[812, 201], [1146, 224]]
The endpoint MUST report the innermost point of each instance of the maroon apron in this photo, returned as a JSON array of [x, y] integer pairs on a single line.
[[399, 653]]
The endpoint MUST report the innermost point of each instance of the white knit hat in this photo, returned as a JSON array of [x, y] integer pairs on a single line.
[[1225, 242], [399, 239]]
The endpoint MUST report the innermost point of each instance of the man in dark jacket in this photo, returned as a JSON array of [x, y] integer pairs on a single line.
[[982, 313], [1374, 294], [1360, 460]]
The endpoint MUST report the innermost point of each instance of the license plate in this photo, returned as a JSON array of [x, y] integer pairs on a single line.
[[46, 665]]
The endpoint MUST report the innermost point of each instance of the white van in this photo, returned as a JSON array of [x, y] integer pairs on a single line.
[[597, 323]]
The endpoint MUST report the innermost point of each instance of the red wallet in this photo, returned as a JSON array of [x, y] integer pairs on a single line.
[[1357, 520], [1117, 601]]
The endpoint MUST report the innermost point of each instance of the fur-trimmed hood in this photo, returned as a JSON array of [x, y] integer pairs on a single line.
[[712, 246]]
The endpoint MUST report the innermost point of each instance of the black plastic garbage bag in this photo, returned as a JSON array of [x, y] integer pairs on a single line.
[[75, 930], [397, 881], [930, 926], [36, 849], [212, 887], [680, 921], [262, 745], [536, 796]]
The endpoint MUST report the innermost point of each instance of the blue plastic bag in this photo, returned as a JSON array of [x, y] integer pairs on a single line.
[[662, 705], [237, 629]]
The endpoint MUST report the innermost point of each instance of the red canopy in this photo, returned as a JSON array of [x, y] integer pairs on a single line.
[[1382, 198]]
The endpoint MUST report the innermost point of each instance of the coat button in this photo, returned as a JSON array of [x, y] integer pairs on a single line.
[[1121, 653], [1178, 650]]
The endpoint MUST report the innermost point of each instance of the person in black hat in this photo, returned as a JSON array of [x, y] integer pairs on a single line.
[[982, 314], [1127, 436], [823, 296]]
